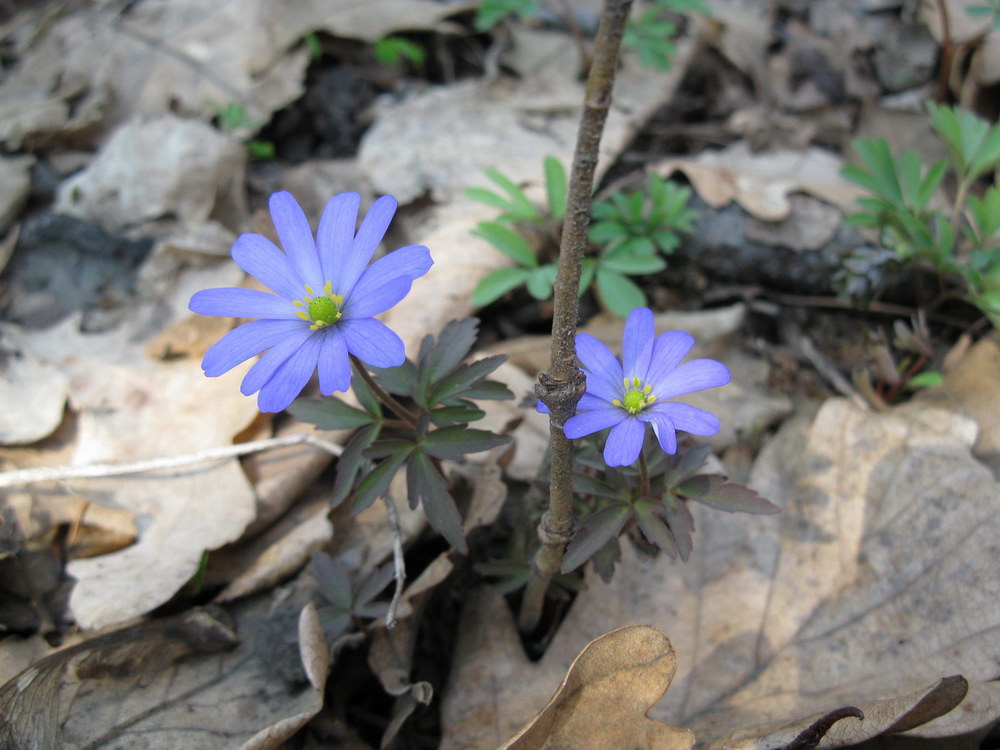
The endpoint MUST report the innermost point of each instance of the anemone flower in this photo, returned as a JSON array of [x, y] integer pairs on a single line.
[[628, 395], [324, 302]]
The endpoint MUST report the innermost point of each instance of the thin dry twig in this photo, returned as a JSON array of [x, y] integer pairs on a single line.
[[562, 386], [55, 473], [398, 561]]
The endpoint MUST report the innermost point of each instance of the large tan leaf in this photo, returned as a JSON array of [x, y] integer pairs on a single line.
[[603, 700], [877, 581]]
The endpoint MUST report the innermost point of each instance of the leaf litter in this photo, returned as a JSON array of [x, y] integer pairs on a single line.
[[872, 589]]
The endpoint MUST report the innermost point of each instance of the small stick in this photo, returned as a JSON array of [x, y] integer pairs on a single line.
[[54, 473], [398, 562]]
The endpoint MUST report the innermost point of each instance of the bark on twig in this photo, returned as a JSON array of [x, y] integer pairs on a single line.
[[563, 385]]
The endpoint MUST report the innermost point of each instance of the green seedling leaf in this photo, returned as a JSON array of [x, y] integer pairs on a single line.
[[608, 231], [373, 585], [376, 483], [587, 270], [491, 12], [555, 187], [351, 461], [883, 179], [455, 441], [390, 50], [497, 284], [524, 209], [628, 259], [329, 413], [540, 281], [714, 491], [927, 379], [425, 483], [508, 242], [618, 294], [594, 534], [334, 621]]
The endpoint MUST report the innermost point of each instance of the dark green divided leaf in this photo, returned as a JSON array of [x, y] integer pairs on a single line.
[[455, 441], [488, 390], [595, 532], [375, 484], [585, 484], [425, 483], [462, 378], [329, 413], [366, 396], [351, 461], [654, 529], [334, 580], [454, 342], [448, 415], [402, 380], [714, 491]]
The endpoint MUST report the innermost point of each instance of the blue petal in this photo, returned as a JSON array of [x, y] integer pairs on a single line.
[[272, 360], [296, 238], [590, 402], [242, 303], [624, 443], [541, 408], [244, 342], [636, 347], [663, 428], [686, 417], [589, 422], [668, 351], [291, 378], [373, 342], [365, 243], [336, 232], [376, 301], [334, 363], [604, 373], [406, 264], [262, 259], [696, 375]]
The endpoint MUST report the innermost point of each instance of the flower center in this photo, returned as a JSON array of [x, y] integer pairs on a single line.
[[323, 310], [637, 396]]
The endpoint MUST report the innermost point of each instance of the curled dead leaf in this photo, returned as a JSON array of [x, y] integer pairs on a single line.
[[603, 700]]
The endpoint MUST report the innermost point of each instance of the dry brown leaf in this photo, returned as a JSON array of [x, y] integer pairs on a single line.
[[972, 388], [761, 183], [164, 167], [603, 700], [874, 583], [128, 688]]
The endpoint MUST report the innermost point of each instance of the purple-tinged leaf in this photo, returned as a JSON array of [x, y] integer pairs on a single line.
[[384, 448], [488, 390], [334, 621], [714, 491], [654, 529], [375, 484], [595, 532], [374, 584], [455, 441], [366, 396], [462, 378], [606, 558], [585, 484], [449, 415], [334, 580], [329, 413], [350, 462], [681, 524], [453, 344], [687, 463], [401, 380], [374, 610], [425, 483]]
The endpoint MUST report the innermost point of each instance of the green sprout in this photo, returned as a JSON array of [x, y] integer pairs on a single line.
[[391, 50]]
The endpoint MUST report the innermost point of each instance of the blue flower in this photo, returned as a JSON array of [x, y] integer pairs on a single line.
[[627, 398], [325, 298]]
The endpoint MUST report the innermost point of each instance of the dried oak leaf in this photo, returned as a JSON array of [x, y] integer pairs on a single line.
[[604, 697]]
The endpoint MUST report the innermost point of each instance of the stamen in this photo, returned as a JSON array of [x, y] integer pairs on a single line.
[[636, 382], [303, 315], [647, 389], [616, 402]]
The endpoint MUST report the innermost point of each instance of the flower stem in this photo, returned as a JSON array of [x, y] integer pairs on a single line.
[[562, 386], [643, 476], [383, 395]]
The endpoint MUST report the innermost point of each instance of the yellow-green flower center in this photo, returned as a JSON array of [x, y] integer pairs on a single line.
[[637, 396], [322, 310]]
